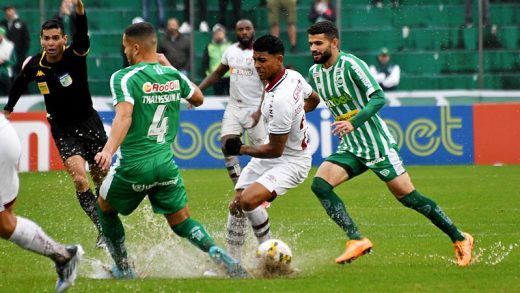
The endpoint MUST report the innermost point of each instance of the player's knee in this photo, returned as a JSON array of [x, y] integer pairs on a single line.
[[320, 187]]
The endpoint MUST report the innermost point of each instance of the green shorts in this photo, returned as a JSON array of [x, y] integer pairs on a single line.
[[386, 168], [159, 177]]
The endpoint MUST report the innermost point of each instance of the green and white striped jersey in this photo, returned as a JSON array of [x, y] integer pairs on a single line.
[[345, 88], [155, 91]]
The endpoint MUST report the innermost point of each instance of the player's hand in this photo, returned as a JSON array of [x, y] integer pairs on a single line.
[[342, 127], [103, 159], [80, 8], [163, 60], [255, 116], [232, 146]]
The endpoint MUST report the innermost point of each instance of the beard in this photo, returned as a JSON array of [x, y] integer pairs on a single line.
[[325, 56], [246, 42]]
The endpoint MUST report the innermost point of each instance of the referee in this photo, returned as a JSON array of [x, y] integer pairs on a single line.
[[61, 75]]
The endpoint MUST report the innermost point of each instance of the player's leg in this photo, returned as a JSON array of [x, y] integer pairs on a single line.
[[171, 200], [116, 197], [231, 127], [236, 227], [401, 186], [277, 177], [184, 226], [330, 174], [75, 166], [251, 203], [24, 232], [337, 169]]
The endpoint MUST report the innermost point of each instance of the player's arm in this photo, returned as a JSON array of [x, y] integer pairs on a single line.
[[311, 102], [120, 126], [214, 76], [273, 149], [197, 98], [80, 39], [19, 86]]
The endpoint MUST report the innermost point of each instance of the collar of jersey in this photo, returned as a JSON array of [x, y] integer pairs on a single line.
[[273, 84]]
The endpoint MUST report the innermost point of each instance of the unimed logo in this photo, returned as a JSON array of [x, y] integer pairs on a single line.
[[149, 87]]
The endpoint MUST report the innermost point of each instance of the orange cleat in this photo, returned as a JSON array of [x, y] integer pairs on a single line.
[[355, 249], [463, 250]]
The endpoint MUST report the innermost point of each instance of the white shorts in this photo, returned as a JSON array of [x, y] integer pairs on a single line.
[[277, 175], [10, 150], [236, 120]]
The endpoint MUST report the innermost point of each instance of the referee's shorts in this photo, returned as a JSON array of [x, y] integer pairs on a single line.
[[85, 138]]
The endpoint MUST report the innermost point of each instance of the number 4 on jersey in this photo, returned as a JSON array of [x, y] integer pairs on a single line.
[[159, 126]]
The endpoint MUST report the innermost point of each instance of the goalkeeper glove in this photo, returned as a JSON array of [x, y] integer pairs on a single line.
[[232, 146]]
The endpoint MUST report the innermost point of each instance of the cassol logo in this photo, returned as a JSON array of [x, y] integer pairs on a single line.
[[149, 87]]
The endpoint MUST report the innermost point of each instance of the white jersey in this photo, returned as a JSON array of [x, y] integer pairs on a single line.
[[245, 87], [283, 111]]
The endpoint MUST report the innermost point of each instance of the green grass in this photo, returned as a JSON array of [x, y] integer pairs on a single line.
[[410, 254]]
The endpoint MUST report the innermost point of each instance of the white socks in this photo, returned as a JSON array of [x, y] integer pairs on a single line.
[[30, 236], [260, 222], [236, 235]]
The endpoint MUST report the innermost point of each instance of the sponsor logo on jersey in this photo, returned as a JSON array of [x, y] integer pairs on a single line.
[[347, 116], [143, 187], [240, 71], [40, 73], [171, 85], [362, 75], [379, 160], [337, 101]]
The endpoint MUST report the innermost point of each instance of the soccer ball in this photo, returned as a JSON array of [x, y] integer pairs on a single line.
[[275, 251]]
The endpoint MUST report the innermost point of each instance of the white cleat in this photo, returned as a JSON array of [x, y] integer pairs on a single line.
[[67, 272]]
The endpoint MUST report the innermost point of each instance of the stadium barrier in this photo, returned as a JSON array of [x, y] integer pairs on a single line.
[[427, 135]]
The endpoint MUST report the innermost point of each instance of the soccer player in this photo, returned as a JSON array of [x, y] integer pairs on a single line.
[[354, 98], [24, 232], [245, 91], [61, 75], [284, 160], [147, 97]]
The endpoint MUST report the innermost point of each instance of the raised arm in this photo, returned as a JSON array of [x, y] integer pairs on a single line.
[[80, 39]]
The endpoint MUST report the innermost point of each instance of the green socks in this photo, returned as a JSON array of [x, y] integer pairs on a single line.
[[114, 233], [334, 207], [195, 233], [432, 211]]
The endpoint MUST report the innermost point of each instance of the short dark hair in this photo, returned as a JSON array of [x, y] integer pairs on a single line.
[[7, 7], [140, 30], [52, 24], [269, 44], [324, 27]]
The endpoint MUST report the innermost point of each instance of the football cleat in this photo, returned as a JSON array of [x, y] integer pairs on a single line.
[[463, 250], [118, 273], [233, 267], [355, 249], [67, 272]]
